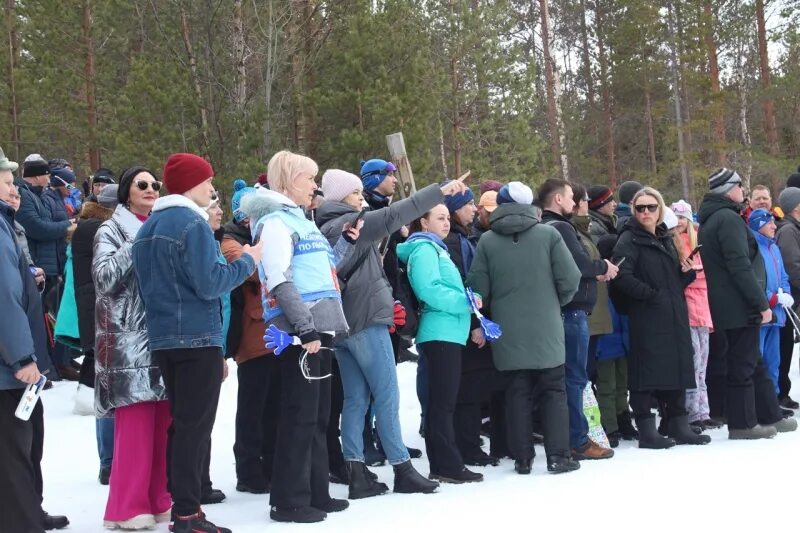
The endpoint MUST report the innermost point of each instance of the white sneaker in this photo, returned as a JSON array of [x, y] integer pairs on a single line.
[[139, 522], [84, 401], [166, 516]]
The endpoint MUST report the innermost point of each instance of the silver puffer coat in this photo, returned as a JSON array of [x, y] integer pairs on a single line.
[[127, 374]]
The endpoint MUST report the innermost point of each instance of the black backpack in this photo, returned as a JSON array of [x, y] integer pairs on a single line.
[[405, 295]]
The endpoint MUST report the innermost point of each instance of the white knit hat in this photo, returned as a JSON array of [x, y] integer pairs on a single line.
[[336, 184]]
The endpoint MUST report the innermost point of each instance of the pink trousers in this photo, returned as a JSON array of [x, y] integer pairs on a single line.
[[138, 482]]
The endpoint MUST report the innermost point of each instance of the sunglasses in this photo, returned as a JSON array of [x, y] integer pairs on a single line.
[[142, 185], [306, 370], [641, 208]]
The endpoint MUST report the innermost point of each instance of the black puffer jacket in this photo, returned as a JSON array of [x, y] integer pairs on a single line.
[[661, 353], [734, 269], [92, 215]]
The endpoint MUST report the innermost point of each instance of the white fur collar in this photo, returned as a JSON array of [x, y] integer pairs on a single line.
[[178, 200]]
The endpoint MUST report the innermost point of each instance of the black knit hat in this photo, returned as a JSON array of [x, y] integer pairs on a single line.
[[628, 190], [104, 175], [126, 180], [599, 195], [36, 167], [794, 179]]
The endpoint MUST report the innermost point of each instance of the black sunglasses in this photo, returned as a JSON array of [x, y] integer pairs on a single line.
[[142, 185], [641, 208]]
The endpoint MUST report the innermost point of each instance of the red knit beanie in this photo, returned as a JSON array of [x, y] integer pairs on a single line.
[[185, 171]]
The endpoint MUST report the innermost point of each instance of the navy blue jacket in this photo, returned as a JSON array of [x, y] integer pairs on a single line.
[[180, 279], [22, 333], [45, 223]]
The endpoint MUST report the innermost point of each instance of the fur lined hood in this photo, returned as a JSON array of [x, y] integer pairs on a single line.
[[95, 211]]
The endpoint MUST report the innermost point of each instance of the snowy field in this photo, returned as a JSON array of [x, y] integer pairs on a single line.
[[726, 486]]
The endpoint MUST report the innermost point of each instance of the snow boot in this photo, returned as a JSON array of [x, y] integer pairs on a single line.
[[649, 438], [464, 476], [137, 523], [298, 515], [212, 496], [559, 464], [408, 481], [625, 426], [613, 438], [523, 466], [195, 523], [372, 455], [50, 522], [590, 451], [361, 483], [481, 459], [333, 505], [104, 477], [680, 430], [339, 475], [785, 425], [756, 432]]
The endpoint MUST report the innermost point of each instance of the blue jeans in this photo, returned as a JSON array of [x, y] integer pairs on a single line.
[[104, 432], [366, 362], [771, 351], [576, 337]]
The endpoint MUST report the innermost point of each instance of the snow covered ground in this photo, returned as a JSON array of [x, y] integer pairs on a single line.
[[725, 486]]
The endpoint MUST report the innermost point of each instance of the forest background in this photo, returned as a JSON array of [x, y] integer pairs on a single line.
[[596, 91]]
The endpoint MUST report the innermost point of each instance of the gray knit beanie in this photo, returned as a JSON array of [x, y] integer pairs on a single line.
[[789, 199]]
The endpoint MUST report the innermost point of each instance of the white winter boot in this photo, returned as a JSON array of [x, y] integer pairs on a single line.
[[84, 401]]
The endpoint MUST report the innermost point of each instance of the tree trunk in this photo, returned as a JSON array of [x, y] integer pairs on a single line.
[[455, 92], [550, 84], [13, 55], [89, 74], [648, 115], [609, 119], [676, 96], [198, 92], [745, 131], [441, 146], [770, 130], [240, 87], [587, 73], [716, 103]]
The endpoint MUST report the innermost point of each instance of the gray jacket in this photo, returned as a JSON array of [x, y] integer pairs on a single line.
[[126, 371], [788, 238], [367, 298], [22, 240]]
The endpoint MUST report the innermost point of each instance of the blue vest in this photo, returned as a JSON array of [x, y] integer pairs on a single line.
[[313, 269]]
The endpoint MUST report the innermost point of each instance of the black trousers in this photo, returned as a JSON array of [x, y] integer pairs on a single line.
[[257, 410], [717, 373], [300, 470], [192, 377], [498, 437], [444, 376], [547, 388], [20, 466], [750, 397], [87, 373], [787, 350], [473, 391], [671, 402], [335, 456]]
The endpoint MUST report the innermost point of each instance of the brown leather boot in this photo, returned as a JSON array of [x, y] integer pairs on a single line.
[[592, 450]]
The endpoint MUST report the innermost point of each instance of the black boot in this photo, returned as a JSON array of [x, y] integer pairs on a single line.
[[523, 466], [625, 426], [372, 455], [339, 475], [408, 481], [649, 437], [681, 431], [361, 484]]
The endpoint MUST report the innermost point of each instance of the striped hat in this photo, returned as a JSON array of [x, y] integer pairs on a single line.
[[723, 180]]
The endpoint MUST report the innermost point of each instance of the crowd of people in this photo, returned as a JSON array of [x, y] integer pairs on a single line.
[[675, 323]]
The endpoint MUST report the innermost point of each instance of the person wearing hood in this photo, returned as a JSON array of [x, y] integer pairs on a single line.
[[736, 279], [778, 291], [93, 214], [477, 369], [556, 199], [652, 279], [129, 384], [526, 273], [258, 376], [700, 323], [788, 238], [444, 326], [300, 296], [181, 283], [601, 211], [623, 210], [366, 356]]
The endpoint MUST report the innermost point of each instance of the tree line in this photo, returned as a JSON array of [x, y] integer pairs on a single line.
[[597, 91]]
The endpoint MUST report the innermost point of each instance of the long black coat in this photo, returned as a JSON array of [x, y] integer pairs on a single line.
[[661, 353]]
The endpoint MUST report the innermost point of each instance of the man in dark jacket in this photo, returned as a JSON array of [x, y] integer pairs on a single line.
[[555, 197], [736, 279], [525, 274], [93, 213], [23, 337], [601, 212], [788, 237]]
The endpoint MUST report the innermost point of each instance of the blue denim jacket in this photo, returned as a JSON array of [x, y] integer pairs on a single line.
[[180, 278]]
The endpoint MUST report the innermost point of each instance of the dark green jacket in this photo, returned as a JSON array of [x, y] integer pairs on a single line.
[[734, 268], [525, 274]]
